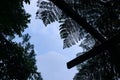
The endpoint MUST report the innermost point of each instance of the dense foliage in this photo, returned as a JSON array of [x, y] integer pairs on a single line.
[[17, 60], [96, 13], [104, 16], [13, 18]]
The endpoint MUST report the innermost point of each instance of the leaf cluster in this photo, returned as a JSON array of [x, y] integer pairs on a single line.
[[13, 18], [17, 60], [104, 16]]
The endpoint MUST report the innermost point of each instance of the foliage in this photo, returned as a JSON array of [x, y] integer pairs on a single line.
[[104, 16], [13, 18], [66, 28], [17, 60], [97, 68], [96, 13]]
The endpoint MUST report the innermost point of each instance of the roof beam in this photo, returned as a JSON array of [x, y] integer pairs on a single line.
[[107, 45], [81, 21]]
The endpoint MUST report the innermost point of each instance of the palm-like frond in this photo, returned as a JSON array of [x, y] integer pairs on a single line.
[[104, 16], [70, 31], [96, 13], [48, 12]]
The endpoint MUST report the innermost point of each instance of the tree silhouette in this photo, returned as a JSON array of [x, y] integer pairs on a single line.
[[102, 16], [17, 60]]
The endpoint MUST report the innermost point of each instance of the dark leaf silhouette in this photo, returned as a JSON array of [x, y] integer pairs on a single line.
[[103, 16], [17, 60]]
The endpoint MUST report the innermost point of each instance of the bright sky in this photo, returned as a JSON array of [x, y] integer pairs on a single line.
[[51, 58]]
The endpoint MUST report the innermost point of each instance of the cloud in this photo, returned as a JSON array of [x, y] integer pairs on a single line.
[[53, 66]]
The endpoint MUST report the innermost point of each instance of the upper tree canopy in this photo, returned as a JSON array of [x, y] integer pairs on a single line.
[[17, 60], [103, 16], [13, 18], [96, 13]]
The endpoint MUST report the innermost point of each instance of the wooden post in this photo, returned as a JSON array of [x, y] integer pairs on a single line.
[[107, 45], [82, 22]]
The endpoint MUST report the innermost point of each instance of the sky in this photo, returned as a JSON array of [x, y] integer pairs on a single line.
[[50, 56]]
